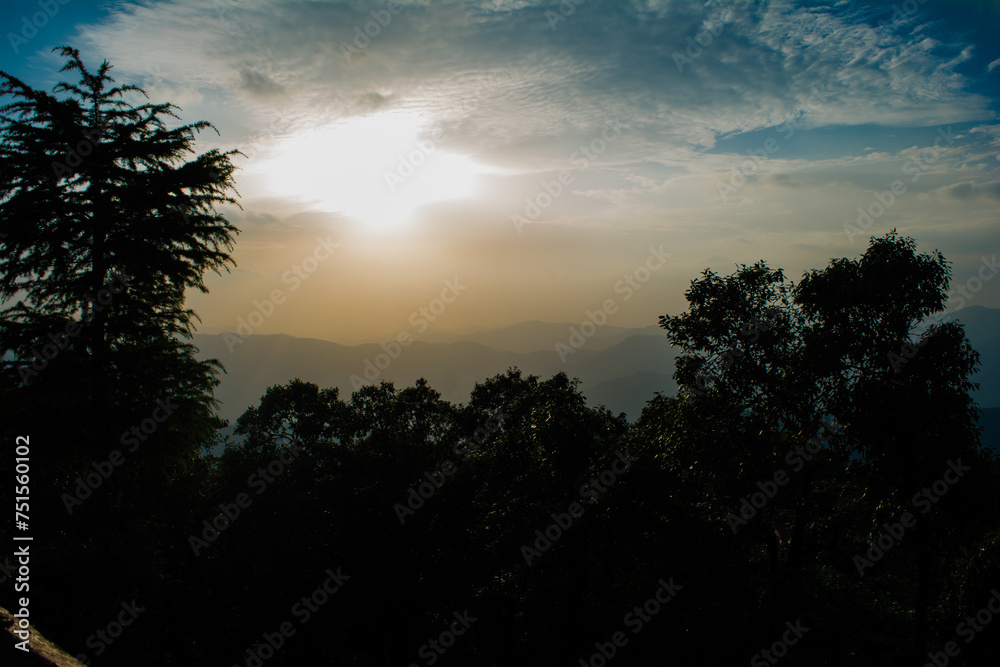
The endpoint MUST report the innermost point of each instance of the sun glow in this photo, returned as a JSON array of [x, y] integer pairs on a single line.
[[378, 169]]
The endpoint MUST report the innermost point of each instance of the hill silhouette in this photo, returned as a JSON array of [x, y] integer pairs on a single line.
[[621, 369], [451, 368]]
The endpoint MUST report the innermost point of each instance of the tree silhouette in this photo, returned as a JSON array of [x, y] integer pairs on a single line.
[[906, 421], [107, 216], [106, 225], [829, 353]]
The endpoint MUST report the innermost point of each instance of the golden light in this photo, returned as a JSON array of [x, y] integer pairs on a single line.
[[378, 169]]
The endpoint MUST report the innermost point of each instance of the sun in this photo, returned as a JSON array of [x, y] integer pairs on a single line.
[[378, 169]]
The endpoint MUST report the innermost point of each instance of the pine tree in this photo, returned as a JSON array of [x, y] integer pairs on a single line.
[[107, 217], [105, 223]]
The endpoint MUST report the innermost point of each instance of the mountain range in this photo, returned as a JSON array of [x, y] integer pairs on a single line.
[[620, 368]]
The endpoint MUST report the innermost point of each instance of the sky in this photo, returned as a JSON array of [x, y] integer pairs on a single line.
[[471, 165]]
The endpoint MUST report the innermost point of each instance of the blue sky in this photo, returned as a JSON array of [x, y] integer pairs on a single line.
[[495, 99]]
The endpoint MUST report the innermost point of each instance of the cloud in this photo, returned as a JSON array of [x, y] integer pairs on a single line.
[[607, 60], [498, 83], [968, 190], [259, 85], [781, 180], [991, 133], [373, 100]]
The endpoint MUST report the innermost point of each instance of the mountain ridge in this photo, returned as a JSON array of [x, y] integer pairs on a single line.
[[617, 366]]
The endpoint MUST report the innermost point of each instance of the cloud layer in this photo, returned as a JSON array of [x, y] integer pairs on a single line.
[[837, 100]]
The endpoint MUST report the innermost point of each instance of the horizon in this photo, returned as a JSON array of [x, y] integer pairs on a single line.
[[555, 170], [618, 368], [468, 332]]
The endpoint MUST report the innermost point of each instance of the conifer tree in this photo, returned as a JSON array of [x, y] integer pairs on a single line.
[[106, 217]]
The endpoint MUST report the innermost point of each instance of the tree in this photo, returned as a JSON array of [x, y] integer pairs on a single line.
[[107, 217], [105, 223], [298, 413], [766, 362], [902, 396]]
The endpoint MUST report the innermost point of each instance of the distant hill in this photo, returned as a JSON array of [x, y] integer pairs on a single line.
[[619, 368], [990, 421], [982, 326], [451, 368], [533, 336], [630, 394]]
